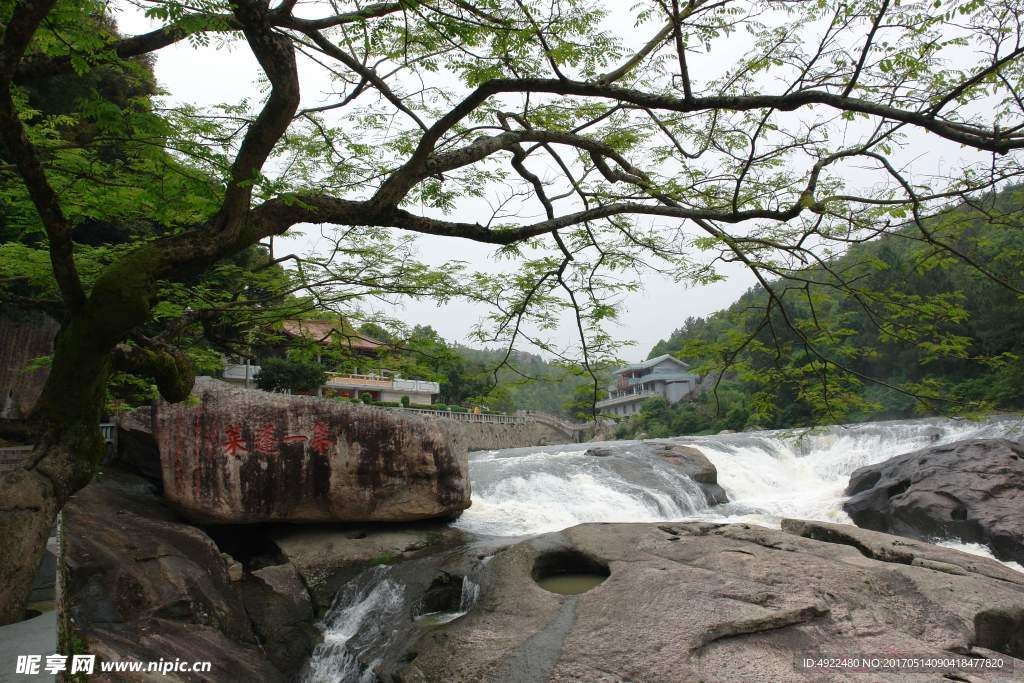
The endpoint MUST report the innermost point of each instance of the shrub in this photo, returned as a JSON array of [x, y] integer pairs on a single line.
[[281, 374], [405, 401]]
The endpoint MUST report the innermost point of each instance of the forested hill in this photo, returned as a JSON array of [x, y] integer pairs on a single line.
[[929, 324]]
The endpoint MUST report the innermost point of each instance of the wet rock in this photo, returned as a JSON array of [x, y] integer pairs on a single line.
[[725, 603], [137, 583], [696, 466], [137, 450], [241, 456], [888, 548], [972, 490], [687, 459], [282, 615], [235, 569]]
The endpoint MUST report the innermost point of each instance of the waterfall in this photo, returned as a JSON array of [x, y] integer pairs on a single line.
[[767, 475], [470, 593], [529, 491], [359, 621]]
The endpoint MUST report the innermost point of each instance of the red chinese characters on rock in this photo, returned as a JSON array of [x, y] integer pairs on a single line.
[[266, 440], [235, 444], [321, 441]]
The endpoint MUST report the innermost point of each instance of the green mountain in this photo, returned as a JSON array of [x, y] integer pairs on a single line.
[[924, 320]]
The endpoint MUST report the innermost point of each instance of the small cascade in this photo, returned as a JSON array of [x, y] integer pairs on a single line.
[[362, 618], [377, 615], [470, 594]]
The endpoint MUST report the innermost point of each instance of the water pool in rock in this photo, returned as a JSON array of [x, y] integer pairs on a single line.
[[571, 584]]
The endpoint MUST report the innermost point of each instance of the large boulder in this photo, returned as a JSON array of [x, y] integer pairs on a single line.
[[972, 490], [711, 602], [137, 583], [281, 612], [235, 455], [686, 459]]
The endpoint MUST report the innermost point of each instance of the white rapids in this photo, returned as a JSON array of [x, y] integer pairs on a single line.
[[767, 475]]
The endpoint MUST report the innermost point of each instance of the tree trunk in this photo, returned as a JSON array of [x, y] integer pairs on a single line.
[[28, 508], [68, 448]]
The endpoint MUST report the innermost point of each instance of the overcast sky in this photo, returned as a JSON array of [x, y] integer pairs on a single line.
[[219, 73]]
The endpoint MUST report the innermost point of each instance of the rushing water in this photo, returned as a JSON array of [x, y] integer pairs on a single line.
[[767, 476], [359, 621]]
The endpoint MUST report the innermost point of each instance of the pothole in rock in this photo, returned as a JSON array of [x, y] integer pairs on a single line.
[[569, 572], [448, 598]]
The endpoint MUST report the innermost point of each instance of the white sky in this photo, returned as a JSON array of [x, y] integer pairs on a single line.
[[219, 73]]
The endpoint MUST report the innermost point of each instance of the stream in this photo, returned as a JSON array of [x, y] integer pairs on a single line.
[[768, 475]]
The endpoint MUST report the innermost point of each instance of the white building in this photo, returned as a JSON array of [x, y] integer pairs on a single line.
[[381, 387], [665, 376]]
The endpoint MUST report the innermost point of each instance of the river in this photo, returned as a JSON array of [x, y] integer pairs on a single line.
[[767, 475]]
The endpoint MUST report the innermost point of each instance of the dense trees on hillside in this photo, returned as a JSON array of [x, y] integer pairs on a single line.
[[767, 132], [945, 337]]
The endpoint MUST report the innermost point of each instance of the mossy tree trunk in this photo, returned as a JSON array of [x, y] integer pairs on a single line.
[[99, 330], [68, 447]]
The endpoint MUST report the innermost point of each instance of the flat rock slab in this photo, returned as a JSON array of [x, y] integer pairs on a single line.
[[326, 557], [735, 602], [240, 456], [972, 490]]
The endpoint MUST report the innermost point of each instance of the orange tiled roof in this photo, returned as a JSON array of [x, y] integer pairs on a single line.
[[327, 331]]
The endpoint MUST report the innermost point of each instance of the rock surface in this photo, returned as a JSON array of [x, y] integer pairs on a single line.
[[243, 456], [282, 615], [706, 602], [24, 337], [972, 490], [137, 583], [327, 557], [137, 450], [686, 459]]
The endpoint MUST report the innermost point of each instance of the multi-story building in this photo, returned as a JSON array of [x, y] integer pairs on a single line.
[[664, 376], [380, 384]]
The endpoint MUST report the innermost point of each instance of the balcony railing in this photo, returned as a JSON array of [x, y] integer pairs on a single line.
[[241, 371], [339, 380], [627, 397], [492, 418], [418, 386]]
